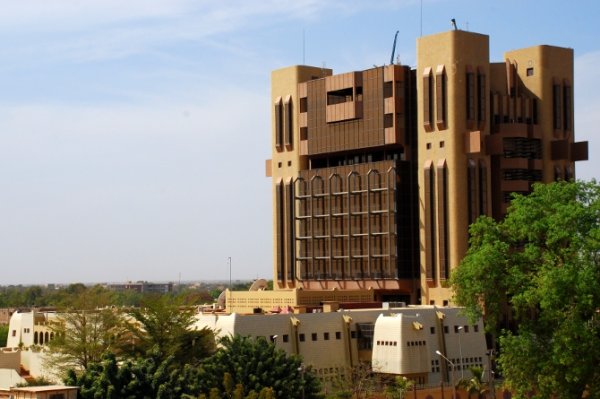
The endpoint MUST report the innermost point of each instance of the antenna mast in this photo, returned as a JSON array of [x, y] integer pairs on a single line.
[[394, 48]]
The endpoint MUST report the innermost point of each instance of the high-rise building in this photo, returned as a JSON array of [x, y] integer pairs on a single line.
[[377, 174]]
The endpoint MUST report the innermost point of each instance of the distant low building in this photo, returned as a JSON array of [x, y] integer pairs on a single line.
[[142, 287], [394, 340], [41, 392]]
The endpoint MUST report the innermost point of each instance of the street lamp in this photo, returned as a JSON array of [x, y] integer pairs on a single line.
[[229, 260], [453, 370], [462, 365]]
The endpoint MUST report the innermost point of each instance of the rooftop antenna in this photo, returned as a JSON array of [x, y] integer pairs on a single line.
[[453, 22], [421, 18], [394, 48], [303, 48]]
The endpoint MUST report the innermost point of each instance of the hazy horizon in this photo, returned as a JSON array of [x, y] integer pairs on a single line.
[[134, 134]]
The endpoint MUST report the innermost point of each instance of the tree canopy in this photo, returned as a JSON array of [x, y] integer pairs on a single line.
[[256, 364], [164, 328], [543, 263]]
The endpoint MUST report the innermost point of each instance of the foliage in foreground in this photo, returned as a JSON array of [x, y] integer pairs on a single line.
[[241, 368], [476, 384], [257, 364], [543, 262]]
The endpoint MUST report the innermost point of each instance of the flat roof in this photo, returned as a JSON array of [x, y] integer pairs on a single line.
[[44, 388]]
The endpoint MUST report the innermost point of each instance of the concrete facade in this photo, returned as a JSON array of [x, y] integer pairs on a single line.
[[394, 340], [377, 174]]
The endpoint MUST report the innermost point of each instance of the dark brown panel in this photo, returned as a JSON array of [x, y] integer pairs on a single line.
[[579, 151]]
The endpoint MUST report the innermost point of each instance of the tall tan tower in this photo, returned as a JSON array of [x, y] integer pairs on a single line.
[[285, 164], [377, 174], [532, 122], [453, 121]]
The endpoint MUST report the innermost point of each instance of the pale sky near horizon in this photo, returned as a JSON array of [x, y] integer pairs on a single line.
[[133, 133]]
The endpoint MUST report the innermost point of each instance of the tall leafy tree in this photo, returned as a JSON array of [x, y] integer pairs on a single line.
[[163, 328], [256, 364], [543, 262], [84, 331]]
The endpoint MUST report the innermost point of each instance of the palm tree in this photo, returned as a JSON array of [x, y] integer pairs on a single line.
[[474, 385]]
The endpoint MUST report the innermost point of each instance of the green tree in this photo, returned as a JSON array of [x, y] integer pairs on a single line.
[[84, 332], [255, 364], [140, 378], [3, 335], [543, 262], [398, 387], [165, 328], [475, 385]]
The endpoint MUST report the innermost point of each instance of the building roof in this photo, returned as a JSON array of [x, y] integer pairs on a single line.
[[45, 388]]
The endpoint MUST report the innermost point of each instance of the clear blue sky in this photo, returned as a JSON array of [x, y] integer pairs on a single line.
[[133, 133]]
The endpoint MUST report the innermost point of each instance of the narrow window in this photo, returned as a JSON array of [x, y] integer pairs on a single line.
[[481, 96], [441, 97], [442, 200], [291, 250], [278, 110], [432, 330], [567, 106], [529, 71], [428, 99], [288, 130], [482, 187], [556, 94], [314, 336], [430, 244], [286, 338], [302, 338], [326, 336], [470, 97], [471, 191], [279, 220], [338, 335]]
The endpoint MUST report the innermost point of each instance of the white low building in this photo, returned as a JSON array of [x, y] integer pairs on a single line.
[[399, 341]]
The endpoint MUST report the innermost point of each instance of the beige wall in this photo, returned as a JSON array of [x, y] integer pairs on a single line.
[[454, 50], [549, 63], [287, 161], [331, 343], [247, 301]]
